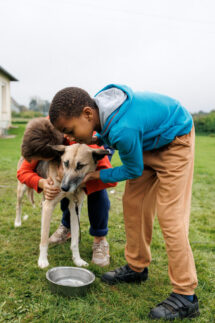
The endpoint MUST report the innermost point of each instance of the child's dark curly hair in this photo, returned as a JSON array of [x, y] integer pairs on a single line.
[[69, 102], [38, 139]]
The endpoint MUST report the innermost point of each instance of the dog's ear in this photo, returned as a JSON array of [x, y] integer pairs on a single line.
[[99, 154], [60, 148]]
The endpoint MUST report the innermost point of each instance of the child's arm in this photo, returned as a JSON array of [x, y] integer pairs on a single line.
[[129, 145], [98, 185], [26, 175]]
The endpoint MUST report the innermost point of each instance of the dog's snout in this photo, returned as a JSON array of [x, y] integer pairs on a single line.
[[65, 188]]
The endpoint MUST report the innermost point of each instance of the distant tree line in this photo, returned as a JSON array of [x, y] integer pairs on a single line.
[[38, 105], [204, 122], [37, 108], [27, 114]]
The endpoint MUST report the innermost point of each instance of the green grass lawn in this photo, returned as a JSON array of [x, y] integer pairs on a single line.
[[24, 292]]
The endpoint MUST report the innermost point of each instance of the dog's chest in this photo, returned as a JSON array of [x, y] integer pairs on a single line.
[[75, 196]]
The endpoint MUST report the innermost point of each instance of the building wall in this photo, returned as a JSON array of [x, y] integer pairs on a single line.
[[5, 109]]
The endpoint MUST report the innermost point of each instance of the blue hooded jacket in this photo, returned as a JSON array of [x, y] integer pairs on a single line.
[[144, 121]]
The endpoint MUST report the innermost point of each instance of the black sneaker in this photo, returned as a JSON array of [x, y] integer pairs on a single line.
[[124, 274], [175, 306]]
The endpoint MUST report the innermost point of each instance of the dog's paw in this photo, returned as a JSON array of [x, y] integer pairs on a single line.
[[17, 224], [80, 262], [25, 217], [43, 262]]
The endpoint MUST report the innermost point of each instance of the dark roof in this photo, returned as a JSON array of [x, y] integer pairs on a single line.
[[11, 77]]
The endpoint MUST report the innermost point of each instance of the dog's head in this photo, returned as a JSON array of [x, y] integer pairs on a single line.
[[77, 161]]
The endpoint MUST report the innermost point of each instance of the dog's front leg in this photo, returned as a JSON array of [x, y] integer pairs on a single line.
[[75, 210], [47, 210]]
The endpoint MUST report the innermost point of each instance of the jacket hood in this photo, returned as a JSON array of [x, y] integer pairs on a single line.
[[109, 99]]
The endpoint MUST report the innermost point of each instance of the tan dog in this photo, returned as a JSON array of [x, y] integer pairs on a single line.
[[77, 161]]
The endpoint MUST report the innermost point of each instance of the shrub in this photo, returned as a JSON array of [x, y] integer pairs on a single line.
[[28, 114], [205, 123]]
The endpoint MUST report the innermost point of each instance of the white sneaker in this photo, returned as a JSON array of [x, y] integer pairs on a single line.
[[101, 255]]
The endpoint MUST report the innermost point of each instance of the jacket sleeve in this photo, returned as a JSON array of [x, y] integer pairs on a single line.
[[98, 185], [26, 175], [129, 145]]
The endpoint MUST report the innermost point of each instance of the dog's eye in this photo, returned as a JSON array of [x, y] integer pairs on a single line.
[[66, 164], [79, 166]]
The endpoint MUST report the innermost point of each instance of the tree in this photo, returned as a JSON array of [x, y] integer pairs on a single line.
[[39, 105]]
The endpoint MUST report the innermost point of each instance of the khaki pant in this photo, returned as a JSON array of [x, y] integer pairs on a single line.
[[164, 188]]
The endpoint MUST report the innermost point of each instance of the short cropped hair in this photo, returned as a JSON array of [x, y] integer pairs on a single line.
[[38, 139], [70, 102]]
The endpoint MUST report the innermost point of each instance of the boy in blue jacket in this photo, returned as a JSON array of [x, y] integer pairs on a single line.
[[154, 135]]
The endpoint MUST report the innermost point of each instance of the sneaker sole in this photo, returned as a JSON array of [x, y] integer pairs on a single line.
[[196, 314], [102, 264], [109, 282], [59, 242], [191, 316]]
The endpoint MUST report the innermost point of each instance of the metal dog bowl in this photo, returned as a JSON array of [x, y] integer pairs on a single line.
[[70, 281]]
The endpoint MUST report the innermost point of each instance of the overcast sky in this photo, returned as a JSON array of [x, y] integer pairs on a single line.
[[165, 46]]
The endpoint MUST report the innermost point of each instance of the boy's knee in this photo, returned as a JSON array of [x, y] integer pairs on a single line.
[[100, 199]]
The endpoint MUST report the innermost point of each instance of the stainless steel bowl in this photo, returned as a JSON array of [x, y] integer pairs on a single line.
[[70, 281]]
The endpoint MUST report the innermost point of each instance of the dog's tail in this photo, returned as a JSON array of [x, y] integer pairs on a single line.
[[30, 194]]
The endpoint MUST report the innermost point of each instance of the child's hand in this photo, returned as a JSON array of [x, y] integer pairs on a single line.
[[91, 176], [50, 191]]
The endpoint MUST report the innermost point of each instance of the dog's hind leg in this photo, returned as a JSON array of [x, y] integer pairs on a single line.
[[30, 193], [75, 211], [47, 210], [21, 188]]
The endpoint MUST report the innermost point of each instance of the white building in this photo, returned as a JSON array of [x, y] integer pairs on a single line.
[[5, 106]]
